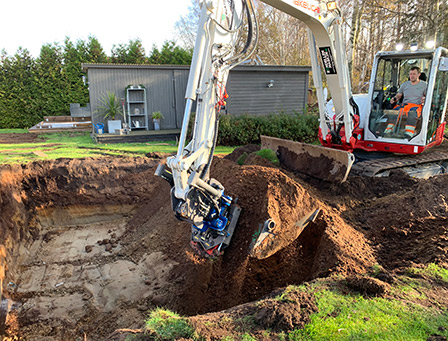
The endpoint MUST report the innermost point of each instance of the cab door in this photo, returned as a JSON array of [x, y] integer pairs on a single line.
[[438, 102]]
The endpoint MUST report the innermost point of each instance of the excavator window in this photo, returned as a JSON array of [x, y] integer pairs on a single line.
[[391, 73]]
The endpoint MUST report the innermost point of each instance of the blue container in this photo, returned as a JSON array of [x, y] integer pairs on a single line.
[[99, 128]]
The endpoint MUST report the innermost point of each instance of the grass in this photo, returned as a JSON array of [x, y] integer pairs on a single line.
[[269, 155], [352, 316], [432, 271], [80, 145], [16, 131], [165, 325]]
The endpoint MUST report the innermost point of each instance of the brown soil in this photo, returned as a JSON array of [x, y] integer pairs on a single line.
[[289, 312], [20, 138], [91, 245]]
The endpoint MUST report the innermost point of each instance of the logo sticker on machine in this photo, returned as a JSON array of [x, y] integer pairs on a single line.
[[327, 60], [314, 7]]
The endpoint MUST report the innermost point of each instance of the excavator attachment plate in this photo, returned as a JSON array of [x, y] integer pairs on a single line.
[[324, 163], [211, 244]]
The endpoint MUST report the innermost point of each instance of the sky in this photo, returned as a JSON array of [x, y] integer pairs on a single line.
[[32, 23]]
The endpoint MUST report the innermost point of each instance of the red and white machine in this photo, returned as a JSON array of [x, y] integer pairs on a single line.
[[347, 123]]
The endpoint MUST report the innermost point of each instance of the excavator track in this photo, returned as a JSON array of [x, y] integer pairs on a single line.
[[420, 166]]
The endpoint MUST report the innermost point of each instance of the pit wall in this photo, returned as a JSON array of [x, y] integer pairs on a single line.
[[39, 194], [15, 221]]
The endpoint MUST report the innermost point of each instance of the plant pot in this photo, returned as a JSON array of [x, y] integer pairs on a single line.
[[99, 128], [156, 122], [113, 125]]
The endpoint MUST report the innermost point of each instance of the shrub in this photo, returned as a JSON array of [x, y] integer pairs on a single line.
[[245, 129]]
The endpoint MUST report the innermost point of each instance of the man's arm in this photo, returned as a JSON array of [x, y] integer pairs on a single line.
[[396, 98], [424, 94]]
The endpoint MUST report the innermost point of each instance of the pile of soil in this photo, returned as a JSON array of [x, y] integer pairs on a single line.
[[393, 222]]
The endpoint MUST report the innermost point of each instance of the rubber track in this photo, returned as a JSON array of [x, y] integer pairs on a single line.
[[374, 167]]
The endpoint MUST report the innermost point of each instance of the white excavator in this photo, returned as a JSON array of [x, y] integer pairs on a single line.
[[350, 126]]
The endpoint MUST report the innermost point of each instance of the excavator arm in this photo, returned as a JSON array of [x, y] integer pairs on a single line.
[[219, 47], [195, 196], [325, 40]]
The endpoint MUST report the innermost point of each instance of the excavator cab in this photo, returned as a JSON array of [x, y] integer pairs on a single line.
[[404, 123]]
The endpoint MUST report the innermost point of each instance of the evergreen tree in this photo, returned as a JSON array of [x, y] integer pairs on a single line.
[[170, 54], [50, 80], [19, 91], [132, 53], [95, 52], [74, 55]]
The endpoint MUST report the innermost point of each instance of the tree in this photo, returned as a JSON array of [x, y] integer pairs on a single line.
[[282, 40], [132, 53], [18, 91], [74, 55], [95, 52], [51, 82], [425, 20], [187, 26], [170, 54]]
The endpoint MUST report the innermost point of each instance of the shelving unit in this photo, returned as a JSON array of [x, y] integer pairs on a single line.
[[137, 112]]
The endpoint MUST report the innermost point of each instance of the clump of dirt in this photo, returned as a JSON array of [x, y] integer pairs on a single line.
[[237, 152], [91, 245], [368, 285], [256, 160], [289, 312]]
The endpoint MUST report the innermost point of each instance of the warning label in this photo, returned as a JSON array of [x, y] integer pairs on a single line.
[[327, 60]]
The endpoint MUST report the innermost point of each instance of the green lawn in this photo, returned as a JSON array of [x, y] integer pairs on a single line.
[[17, 131], [80, 145], [405, 314]]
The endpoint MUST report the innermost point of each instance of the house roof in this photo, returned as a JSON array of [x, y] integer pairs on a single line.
[[275, 68]]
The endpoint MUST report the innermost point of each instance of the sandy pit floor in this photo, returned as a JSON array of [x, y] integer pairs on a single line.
[[90, 246]]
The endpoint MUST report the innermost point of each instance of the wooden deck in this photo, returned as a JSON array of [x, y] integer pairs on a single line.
[[52, 124], [138, 136]]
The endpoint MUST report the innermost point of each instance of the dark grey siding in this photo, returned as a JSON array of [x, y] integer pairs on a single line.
[[160, 83], [166, 85], [249, 92], [180, 87]]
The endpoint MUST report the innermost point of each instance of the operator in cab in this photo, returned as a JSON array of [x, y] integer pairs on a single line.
[[413, 93]]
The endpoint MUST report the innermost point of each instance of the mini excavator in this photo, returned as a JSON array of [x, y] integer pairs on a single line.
[[351, 126]]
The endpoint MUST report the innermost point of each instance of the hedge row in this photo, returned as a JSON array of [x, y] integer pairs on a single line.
[[242, 130]]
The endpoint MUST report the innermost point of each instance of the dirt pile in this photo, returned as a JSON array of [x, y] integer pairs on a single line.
[[92, 244], [326, 246], [279, 311]]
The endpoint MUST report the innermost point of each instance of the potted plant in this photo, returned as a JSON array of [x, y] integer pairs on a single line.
[[110, 108], [156, 117]]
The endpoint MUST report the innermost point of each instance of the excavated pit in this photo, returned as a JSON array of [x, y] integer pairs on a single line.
[[89, 246]]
